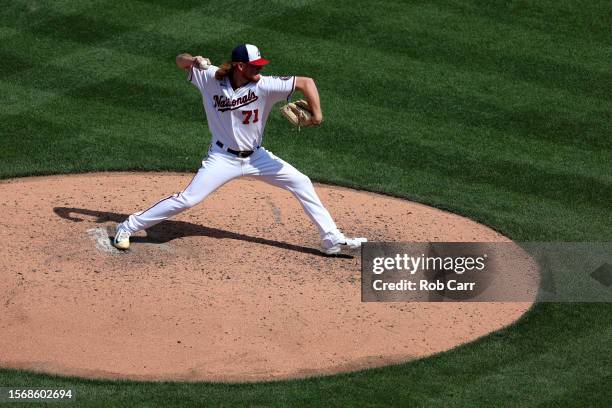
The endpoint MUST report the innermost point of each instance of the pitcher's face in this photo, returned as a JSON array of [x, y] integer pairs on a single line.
[[250, 72]]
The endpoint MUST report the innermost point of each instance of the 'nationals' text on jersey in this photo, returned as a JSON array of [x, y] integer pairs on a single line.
[[237, 117], [223, 103]]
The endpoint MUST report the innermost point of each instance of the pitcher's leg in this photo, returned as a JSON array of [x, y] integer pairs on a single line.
[[214, 172], [278, 172], [300, 185]]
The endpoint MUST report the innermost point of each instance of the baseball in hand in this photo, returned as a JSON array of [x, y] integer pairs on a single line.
[[202, 63]]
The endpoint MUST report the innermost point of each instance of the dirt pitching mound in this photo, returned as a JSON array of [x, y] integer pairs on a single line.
[[234, 289]]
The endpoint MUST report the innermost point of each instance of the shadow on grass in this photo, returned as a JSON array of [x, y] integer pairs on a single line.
[[171, 229]]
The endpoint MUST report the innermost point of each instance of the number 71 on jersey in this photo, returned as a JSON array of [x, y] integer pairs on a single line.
[[247, 116]]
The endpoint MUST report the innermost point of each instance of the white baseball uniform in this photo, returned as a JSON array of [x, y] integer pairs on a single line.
[[237, 119]]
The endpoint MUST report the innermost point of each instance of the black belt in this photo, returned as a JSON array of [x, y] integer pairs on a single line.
[[239, 153]]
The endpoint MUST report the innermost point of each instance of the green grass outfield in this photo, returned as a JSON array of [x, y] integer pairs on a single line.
[[498, 110]]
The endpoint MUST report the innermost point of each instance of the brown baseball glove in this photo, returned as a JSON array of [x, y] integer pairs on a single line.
[[298, 113]]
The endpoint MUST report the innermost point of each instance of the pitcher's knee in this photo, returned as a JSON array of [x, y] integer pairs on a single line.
[[186, 200], [302, 181]]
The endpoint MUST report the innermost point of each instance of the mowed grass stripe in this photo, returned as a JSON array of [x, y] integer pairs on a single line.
[[87, 31], [590, 393], [24, 13], [507, 385], [566, 20], [175, 100], [513, 40], [52, 80], [106, 122]]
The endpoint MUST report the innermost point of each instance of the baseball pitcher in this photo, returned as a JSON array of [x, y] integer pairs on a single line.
[[238, 100]]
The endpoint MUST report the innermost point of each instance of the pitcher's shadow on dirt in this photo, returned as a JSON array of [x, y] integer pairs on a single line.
[[171, 229]]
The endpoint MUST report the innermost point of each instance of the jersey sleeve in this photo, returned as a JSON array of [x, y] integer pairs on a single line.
[[201, 77], [278, 88]]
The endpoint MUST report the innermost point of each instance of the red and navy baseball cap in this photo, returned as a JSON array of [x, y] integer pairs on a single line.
[[248, 53]]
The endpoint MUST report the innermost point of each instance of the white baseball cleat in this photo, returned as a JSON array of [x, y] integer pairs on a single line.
[[336, 245], [122, 238]]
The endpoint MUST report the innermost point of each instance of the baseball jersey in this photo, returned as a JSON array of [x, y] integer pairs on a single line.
[[237, 118]]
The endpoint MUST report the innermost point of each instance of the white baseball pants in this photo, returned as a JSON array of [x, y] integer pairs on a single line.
[[218, 168]]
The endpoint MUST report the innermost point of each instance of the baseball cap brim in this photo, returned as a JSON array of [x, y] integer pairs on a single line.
[[259, 62]]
